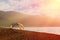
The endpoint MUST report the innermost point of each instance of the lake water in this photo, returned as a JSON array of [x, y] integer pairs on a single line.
[[52, 30]]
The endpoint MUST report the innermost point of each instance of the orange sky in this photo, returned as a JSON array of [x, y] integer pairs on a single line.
[[49, 8]]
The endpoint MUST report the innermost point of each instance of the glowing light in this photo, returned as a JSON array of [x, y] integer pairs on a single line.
[[57, 0], [54, 4]]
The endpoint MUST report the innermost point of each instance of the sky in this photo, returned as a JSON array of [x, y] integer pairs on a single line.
[[26, 6], [49, 7]]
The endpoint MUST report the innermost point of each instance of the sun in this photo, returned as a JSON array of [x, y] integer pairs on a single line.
[[53, 8], [55, 4]]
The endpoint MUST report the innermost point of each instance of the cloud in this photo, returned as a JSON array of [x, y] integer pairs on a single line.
[[26, 6], [4, 6]]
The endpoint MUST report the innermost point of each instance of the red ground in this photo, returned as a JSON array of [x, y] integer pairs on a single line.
[[10, 34]]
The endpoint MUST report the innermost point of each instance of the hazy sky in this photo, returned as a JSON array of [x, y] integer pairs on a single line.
[[49, 7], [28, 6]]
